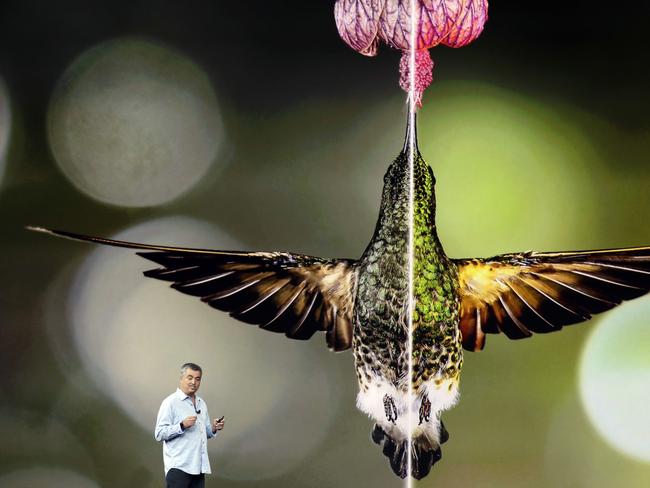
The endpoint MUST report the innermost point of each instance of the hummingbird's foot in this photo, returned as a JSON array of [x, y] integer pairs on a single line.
[[425, 410], [390, 408]]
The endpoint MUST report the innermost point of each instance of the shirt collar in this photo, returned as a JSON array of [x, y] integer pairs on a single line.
[[182, 396]]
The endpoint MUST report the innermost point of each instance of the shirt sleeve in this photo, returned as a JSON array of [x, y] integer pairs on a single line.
[[208, 425], [165, 428]]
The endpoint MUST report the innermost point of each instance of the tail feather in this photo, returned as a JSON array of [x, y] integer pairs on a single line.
[[444, 435], [425, 452]]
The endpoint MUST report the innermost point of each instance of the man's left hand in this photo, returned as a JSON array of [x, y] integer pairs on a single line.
[[217, 425]]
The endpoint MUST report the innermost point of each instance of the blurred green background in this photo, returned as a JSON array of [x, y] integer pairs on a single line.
[[251, 125]]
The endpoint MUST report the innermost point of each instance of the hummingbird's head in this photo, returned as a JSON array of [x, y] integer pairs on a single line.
[[397, 182], [400, 190]]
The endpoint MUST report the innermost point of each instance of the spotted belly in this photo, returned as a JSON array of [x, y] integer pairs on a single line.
[[396, 404]]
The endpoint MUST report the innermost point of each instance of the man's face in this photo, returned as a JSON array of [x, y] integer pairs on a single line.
[[190, 382]]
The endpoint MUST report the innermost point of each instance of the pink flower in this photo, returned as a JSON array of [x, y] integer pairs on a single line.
[[454, 23]]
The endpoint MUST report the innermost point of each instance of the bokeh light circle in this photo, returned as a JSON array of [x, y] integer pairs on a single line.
[[515, 172], [575, 455], [615, 378], [45, 476], [5, 125], [134, 123], [133, 334]]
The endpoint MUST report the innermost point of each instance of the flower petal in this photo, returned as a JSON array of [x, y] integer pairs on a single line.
[[358, 22], [395, 24], [469, 23], [437, 18]]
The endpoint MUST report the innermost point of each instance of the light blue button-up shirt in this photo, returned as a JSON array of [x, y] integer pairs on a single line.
[[187, 449]]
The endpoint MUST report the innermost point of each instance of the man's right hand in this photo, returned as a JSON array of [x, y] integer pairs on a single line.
[[189, 421]]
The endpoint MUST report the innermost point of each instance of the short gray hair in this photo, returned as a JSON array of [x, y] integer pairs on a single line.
[[192, 366]]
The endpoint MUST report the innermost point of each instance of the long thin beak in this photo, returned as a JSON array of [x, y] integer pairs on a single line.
[[411, 128]]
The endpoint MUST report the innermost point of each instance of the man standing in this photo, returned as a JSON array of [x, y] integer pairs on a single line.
[[184, 426]]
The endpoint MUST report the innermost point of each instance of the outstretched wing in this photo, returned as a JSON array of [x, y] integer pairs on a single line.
[[281, 292], [519, 294]]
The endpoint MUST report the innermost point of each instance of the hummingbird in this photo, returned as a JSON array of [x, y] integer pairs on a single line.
[[405, 309]]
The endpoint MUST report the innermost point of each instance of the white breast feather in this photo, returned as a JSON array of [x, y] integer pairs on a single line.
[[441, 396]]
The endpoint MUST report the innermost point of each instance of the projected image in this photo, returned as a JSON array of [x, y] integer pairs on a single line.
[[234, 153]]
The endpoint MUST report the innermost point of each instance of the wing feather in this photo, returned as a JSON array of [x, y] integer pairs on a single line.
[[526, 293], [295, 294]]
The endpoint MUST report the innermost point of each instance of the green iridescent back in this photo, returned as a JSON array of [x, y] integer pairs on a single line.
[[437, 351], [380, 320]]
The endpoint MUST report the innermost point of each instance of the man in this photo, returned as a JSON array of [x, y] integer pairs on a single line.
[[184, 426]]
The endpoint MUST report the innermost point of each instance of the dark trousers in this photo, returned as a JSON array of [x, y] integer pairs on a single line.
[[180, 479]]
